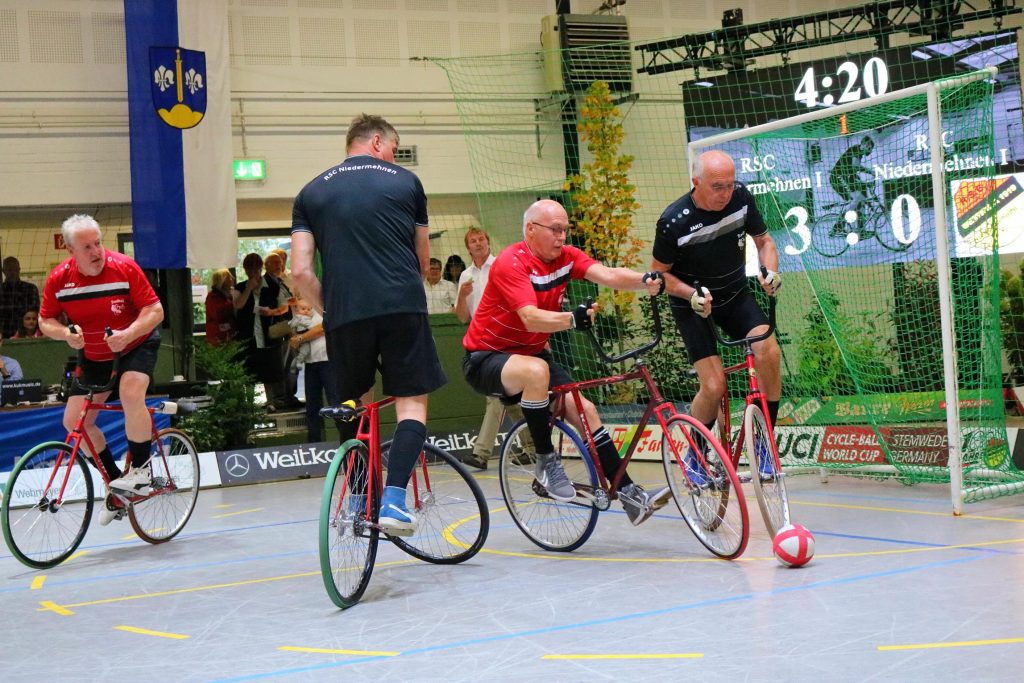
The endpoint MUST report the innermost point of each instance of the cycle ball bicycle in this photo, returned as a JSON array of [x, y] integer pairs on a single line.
[[714, 507], [50, 494], [451, 512], [756, 438]]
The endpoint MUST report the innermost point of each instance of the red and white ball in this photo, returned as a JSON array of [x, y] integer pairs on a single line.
[[793, 546]]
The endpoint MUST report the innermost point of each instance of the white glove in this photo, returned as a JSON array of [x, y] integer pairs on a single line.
[[773, 281], [697, 301]]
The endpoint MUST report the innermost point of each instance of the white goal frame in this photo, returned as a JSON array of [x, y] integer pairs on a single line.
[[931, 90]]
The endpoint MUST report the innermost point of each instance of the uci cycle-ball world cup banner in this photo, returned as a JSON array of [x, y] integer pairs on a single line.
[[179, 115]]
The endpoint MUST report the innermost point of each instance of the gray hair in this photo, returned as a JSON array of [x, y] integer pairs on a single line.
[[530, 214], [697, 168], [75, 223]]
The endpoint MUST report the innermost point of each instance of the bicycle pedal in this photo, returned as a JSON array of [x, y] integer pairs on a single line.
[[401, 533]]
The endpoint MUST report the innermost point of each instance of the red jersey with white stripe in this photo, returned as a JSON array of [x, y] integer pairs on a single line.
[[113, 298], [517, 279]]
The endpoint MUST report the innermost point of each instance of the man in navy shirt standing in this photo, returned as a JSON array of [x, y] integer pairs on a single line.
[[701, 241], [368, 219]]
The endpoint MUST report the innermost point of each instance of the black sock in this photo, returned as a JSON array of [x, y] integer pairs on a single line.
[[139, 451], [773, 412], [538, 422], [405, 449], [107, 459], [610, 461]]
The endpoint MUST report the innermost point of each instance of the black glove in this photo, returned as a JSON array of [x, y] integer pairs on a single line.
[[581, 319], [655, 275]]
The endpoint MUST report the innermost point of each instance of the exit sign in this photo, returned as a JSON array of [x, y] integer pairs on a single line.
[[250, 169]]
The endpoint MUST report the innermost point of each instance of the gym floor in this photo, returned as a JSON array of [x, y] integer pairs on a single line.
[[899, 590]]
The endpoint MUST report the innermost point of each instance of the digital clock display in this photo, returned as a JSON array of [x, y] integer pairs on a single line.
[[807, 178]]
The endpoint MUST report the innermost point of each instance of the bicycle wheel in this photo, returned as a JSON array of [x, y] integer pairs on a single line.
[[451, 512], [828, 236], [551, 524], [348, 529], [769, 481], [40, 530], [880, 224], [159, 517], [715, 511]]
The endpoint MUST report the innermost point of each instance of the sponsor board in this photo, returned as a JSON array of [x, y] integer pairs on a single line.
[[925, 406], [271, 463]]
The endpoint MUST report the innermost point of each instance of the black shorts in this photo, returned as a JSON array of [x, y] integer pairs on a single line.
[[140, 359], [400, 344], [482, 369], [737, 318]]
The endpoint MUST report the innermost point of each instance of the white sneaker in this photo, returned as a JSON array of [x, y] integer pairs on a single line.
[[137, 481], [108, 513]]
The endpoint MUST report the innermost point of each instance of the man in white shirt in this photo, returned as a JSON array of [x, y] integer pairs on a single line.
[[440, 293], [471, 288]]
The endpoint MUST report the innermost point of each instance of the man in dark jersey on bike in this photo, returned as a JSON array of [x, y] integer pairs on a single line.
[[845, 176], [700, 241], [507, 350], [368, 219], [97, 288]]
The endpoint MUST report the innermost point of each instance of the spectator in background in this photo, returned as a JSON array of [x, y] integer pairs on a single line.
[[286, 275], [453, 268], [245, 296], [28, 328], [16, 297], [220, 308], [471, 288], [310, 349], [272, 307], [10, 369], [440, 293]]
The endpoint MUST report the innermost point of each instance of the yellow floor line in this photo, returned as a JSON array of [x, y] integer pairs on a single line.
[[147, 632], [327, 651], [75, 556], [37, 582], [686, 655], [177, 591], [133, 535], [239, 512], [965, 643], [224, 505], [49, 605]]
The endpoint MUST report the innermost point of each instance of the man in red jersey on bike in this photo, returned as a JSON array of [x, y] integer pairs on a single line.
[[97, 288], [507, 350]]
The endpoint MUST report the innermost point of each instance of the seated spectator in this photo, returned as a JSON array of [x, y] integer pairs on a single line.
[[10, 369], [440, 293], [16, 297], [220, 308], [28, 328], [310, 349], [453, 268]]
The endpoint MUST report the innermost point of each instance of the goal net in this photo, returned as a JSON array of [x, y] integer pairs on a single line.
[[864, 373], [887, 211]]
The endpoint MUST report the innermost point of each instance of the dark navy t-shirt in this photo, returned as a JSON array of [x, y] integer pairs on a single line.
[[363, 215], [709, 246]]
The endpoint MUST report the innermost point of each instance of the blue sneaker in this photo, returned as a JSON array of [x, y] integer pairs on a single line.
[[395, 518], [694, 469]]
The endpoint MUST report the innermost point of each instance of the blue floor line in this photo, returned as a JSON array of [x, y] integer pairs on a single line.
[[609, 620]]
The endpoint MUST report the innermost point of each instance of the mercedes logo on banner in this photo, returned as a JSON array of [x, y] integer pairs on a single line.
[[237, 465]]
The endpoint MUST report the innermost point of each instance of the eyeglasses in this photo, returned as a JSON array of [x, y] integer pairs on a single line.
[[722, 187], [556, 230]]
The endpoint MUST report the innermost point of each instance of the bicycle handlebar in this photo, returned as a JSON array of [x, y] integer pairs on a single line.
[[93, 388], [747, 340], [633, 353]]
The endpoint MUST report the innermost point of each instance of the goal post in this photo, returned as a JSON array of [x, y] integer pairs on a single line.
[[859, 198]]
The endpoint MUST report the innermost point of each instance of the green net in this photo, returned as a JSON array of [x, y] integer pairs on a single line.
[[859, 318]]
